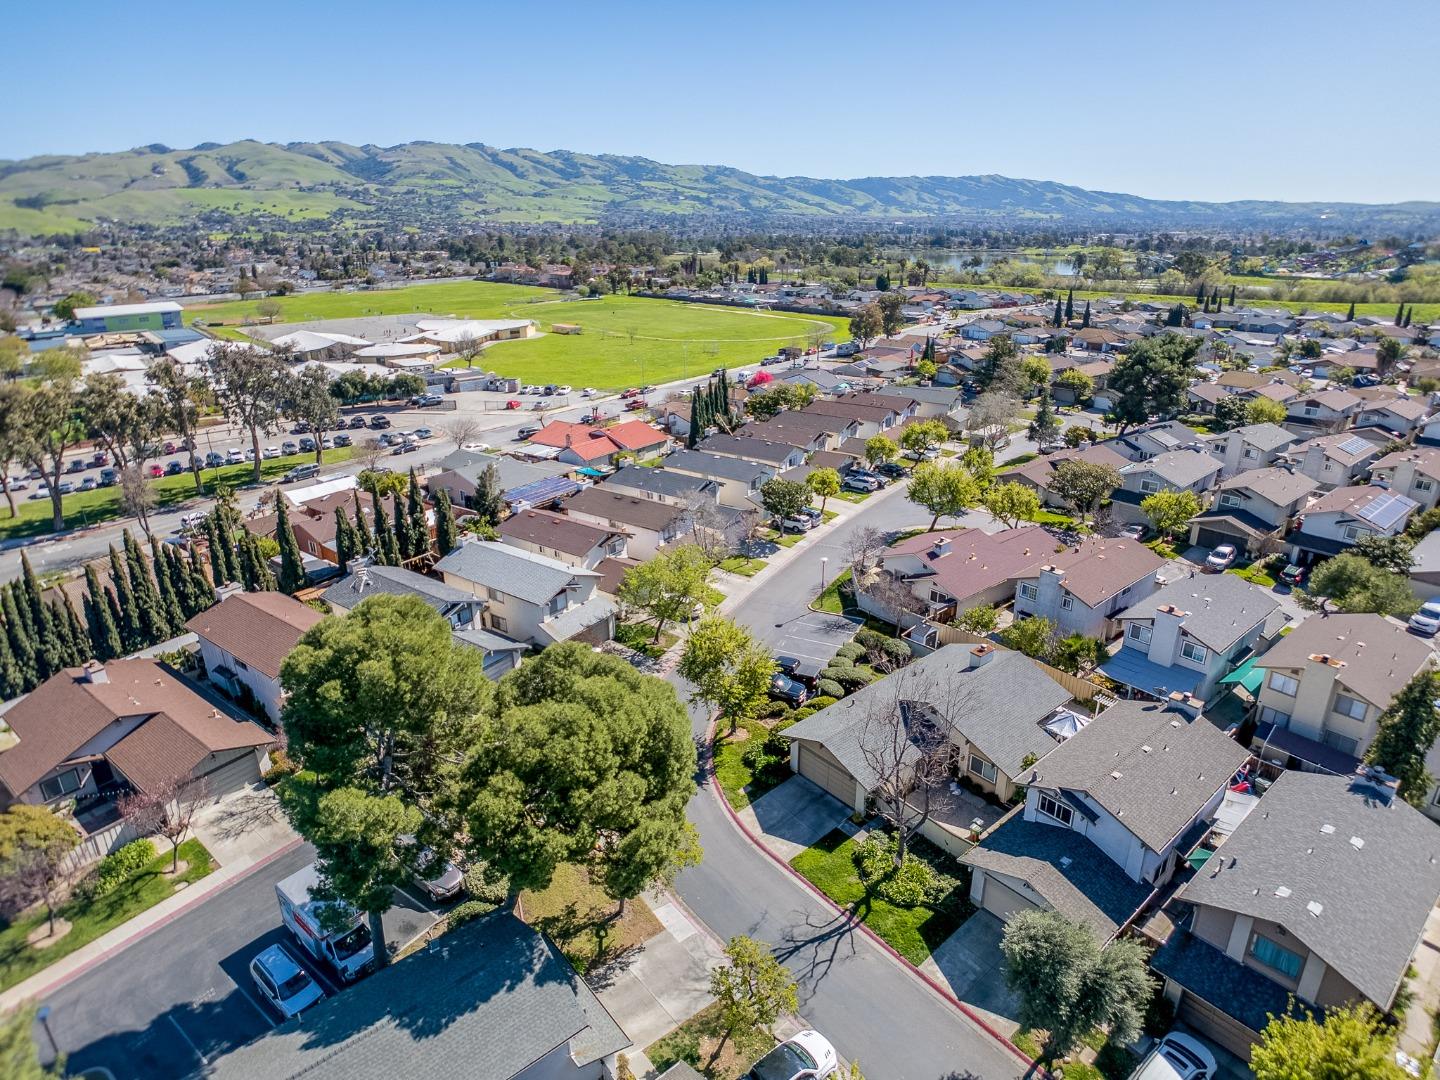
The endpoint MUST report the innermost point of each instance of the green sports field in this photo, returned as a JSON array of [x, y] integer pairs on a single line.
[[625, 339]]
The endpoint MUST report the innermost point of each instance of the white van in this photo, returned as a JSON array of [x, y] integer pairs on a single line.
[[1177, 1057]]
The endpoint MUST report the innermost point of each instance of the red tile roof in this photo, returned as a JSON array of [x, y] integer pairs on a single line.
[[591, 443]]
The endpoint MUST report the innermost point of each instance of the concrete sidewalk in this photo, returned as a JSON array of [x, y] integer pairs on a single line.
[[243, 832]]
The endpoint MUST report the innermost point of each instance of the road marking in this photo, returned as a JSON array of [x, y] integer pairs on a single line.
[[189, 1041], [264, 1013]]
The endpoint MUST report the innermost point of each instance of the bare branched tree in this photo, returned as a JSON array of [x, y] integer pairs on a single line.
[[371, 453], [467, 348], [863, 552], [137, 495], [707, 525], [166, 809], [461, 430], [894, 597]]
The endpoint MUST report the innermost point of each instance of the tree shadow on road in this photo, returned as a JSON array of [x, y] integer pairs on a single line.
[[830, 939]]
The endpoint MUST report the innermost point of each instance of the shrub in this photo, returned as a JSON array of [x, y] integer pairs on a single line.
[[869, 639], [839, 661], [280, 767], [851, 678], [759, 758], [804, 711], [468, 911], [120, 866], [851, 650], [829, 688], [910, 884], [774, 709], [896, 651], [478, 888], [821, 701]]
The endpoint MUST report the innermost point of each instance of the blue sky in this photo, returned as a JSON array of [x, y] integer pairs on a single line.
[[1276, 99]]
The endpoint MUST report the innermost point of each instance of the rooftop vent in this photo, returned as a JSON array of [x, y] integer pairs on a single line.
[[1117, 775], [1282, 891], [1065, 861], [1315, 908], [1328, 830], [1357, 842]]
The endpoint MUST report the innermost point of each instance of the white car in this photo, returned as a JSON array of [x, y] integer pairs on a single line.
[[1221, 558], [233, 456], [806, 1055], [1426, 621], [270, 452], [283, 983], [1178, 1057], [562, 390], [475, 447], [589, 391]]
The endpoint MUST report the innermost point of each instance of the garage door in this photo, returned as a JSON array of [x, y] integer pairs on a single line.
[[818, 766], [225, 777], [1215, 1025], [1001, 900]]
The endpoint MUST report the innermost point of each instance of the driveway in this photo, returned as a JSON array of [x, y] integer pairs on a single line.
[[969, 962], [793, 816]]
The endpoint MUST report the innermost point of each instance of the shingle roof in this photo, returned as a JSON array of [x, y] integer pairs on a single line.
[[1074, 876], [259, 628], [1360, 906], [1178, 467], [1150, 766], [533, 578], [1280, 486], [976, 560], [722, 466], [665, 482], [1220, 607], [998, 706], [1097, 568], [1426, 459], [489, 999], [1264, 436], [1379, 655], [751, 449], [624, 507], [393, 581], [567, 534], [512, 472], [1357, 500]]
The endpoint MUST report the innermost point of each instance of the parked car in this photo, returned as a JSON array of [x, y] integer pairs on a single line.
[[1221, 558], [155, 471], [19, 483], [475, 447], [283, 984], [233, 456], [406, 447], [1294, 575], [76, 465], [930, 453], [1426, 621], [42, 491], [111, 476], [527, 431], [300, 472], [542, 404], [342, 440], [440, 878], [424, 401], [1134, 532], [1178, 1057], [249, 453], [301, 428], [862, 483], [634, 391], [288, 447], [307, 445], [798, 523], [100, 460], [891, 470], [635, 404], [807, 1055], [589, 391], [1366, 380], [788, 690], [356, 422], [379, 423], [513, 403], [171, 448], [65, 487], [214, 459], [270, 452], [530, 388], [88, 484], [175, 468], [805, 672], [423, 433]]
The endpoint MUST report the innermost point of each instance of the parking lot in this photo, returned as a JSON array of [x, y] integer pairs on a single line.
[[172, 1002], [815, 636]]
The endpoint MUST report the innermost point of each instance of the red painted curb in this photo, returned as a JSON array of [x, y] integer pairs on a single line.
[[965, 1010], [184, 908]]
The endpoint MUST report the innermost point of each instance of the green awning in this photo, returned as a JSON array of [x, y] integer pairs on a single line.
[[1199, 857], [1247, 675]]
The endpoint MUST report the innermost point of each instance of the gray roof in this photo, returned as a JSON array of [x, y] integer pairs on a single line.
[[998, 706], [1377, 656], [493, 995], [393, 581], [578, 617], [1179, 467], [1360, 906], [512, 472], [1221, 607], [931, 395], [750, 449], [487, 641], [1280, 486], [531, 577], [1149, 766], [1265, 436], [663, 482], [1074, 876], [718, 465]]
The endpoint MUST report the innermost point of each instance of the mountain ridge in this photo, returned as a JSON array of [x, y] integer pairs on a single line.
[[435, 182]]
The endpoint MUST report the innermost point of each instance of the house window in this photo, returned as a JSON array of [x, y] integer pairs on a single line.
[[1354, 532], [1349, 706], [1251, 453], [1274, 716], [495, 595], [615, 547], [1149, 486], [1311, 410], [1140, 632], [984, 769], [938, 597], [241, 664], [1343, 743], [60, 784], [1028, 591], [558, 604], [1054, 808], [1423, 485], [1229, 499], [498, 624], [1276, 957], [1067, 602], [1283, 684], [1195, 652]]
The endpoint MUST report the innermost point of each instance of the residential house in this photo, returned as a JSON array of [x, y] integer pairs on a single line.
[[564, 537], [1188, 635], [1325, 687], [1338, 518], [1333, 460], [1109, 815], [778, 455], [870, 413], [1094, 339], [1036, 474], [664, 485], [1425, 567], [530, 597], [1327, 411], [809, 432], [1194, 470], [926, 402], [1253, 510], [991, 705], [1320, 896], [1251, 446], [737, 480], [521, 483], [1414, 473], [314, 523], [983, 329], [495, 999], [243, 641], [1401, 416], [1278, 391], [647, 525], [951, 571], [88, 735], [1143, 443], [1083, 588], [1204, 396], [594, 446]]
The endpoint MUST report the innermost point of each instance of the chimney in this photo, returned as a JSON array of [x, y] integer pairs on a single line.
[[1187, 704], [941, 548], [94, 672], [980, 656]]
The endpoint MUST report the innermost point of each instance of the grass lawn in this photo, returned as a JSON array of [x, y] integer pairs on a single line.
[[1050, 517], [90, 919], [852, 496], [784, 539], [740, 783], [694, 1042], [739, 564], [830, 599], [1018, 459], [627, 340], [641, 638], [1110, 1062], [1161, 548], [583, 921], [1255, 574], [829, 865], [84, 508]]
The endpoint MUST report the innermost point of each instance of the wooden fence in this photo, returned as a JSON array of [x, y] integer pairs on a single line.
[[97, 845]]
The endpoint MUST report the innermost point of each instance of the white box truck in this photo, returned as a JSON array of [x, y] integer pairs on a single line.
[[348, 951]]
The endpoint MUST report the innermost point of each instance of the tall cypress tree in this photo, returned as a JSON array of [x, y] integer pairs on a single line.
[[1399, 314], [217, 556], [446, 533], [168, 587], [1085, 322], [364, 538], [33, 593], [104, 634], [415, 514], [51, 652], [1200, 294], [292, 568], [1059, 313], [132, 634], [403, 538], [71, 652], [78, 637], [1232, 295], [21, 645], [154, 620], [113, 606], [254, 565], [1409, 311], [12, 681], [1350, 315], [1070, 305], [386, 553], [345, 540]]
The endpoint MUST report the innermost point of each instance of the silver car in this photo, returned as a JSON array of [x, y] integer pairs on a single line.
[[283, 983]]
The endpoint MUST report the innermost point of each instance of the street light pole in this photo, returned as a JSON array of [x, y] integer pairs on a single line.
[[823, 561], [43, 1015]]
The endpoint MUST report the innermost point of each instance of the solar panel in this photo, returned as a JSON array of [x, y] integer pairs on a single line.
[[1354, 445], [1385, 511]]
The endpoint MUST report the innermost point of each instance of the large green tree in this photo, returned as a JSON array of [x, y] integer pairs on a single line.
[[306, 397], [823, 482], [1084, 485], [250, 384], [584, 760], [923, 435], [1407, 731], [945, 489], [1012, 503], [1352, 584], [50, 420], [752, 988], [879, 450], [34, 845], [728, 667], [180, 397], [1170, 511], [783, 498], [1153, 378], [668, 586], [1350, 1044]]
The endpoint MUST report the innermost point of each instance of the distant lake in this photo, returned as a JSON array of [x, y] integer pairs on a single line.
[[1058, 265]]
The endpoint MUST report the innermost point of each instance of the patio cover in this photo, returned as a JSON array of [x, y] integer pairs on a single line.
[[1137, 671], [1247, 675]]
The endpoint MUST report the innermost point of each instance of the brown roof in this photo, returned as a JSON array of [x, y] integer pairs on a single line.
[[612, 572], [973, 560], [157, 751], [867, 411], [567, 534], [1039, 470], [259, 628], [66, 711], [1405, 408], [626, 509], [1379, 656], [1098, 567], [1426, 459], [796, 429], [1241, 380]]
